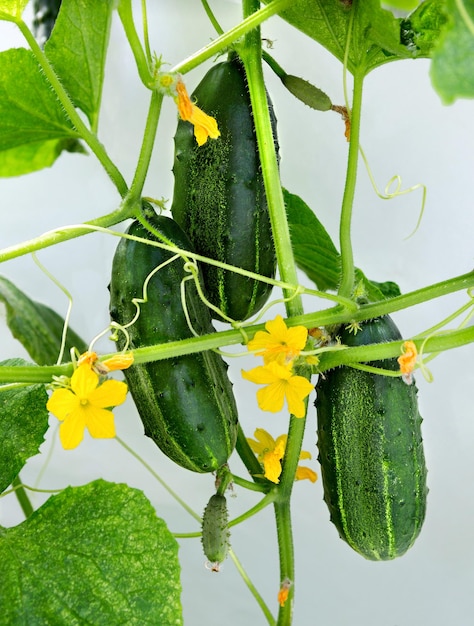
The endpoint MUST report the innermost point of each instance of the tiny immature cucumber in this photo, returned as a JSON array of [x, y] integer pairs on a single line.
[[215, 531], [371, 451], [219, 197], [186, 403]]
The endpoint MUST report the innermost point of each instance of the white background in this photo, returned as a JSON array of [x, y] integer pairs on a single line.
[[405, 130]]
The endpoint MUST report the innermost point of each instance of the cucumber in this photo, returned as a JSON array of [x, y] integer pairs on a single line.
[[45, 14], [219, 197], [215, 531], [186, 403], [371, 452]]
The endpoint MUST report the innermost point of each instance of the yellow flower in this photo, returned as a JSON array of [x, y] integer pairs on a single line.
[[116, 362], [270, 453], [407, 360], [204, 125], [86, 405], [279, 343], [281, 383]]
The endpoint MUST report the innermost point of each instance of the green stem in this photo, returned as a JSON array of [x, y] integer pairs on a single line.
[[287, 558], [83, 132], [126, 17], [347, 256], [232, 35], [253, 590], [449, 340], [262, 504], [22, 497], [212, 18], [66, 233], [146, 151], [251, 57]]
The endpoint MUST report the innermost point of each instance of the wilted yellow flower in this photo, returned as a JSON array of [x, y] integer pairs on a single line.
[[204, 125], [407, 360]]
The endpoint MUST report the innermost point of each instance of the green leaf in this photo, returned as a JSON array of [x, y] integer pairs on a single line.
[[23, 423], [452, 69], [374, 35], [317, 256], [30, 113], [313, 248], [95, 554], [35, 156], [12, 9], [77, 50], [421, 30], [36, 326]]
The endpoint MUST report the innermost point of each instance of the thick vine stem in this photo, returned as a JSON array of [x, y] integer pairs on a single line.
[[83, 132]]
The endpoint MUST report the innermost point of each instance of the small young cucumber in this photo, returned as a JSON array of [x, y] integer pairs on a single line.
[[186, 403], [215, 531], [371, 452], [219, 197]]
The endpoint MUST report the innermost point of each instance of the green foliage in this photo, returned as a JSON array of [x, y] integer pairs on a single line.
[[23, 423], [77, 50], [36, 326], [30, 115], [452, 70], [12, 9], [95, 554], [374, 32]]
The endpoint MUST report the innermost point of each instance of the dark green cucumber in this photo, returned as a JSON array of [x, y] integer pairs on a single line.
[[219, 196], [371, 452], [45, 14], [186, 403], [215, 531]]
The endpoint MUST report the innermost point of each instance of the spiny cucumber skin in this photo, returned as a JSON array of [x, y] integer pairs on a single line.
[[186, 403], [215, 530], [371, 452], [219, 196]]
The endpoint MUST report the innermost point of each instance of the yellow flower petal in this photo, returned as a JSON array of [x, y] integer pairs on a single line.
[[110, 393], [304, 455], [264, 442], [303, 473], [62, 403], [118, 362], [100, 423], [272, 465], [71, 431], [279, 343], [272, 397], [84, 381], [297, 389]]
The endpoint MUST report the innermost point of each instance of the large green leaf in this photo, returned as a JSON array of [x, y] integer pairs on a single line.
[[12, 9], [452, 66], [95, 554], [30, 113], [374, 32], [77, 50], [23, 422], [317, 256], [36, 326], [35, 156]]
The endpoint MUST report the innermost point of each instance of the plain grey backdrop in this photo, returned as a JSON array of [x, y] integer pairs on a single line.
[[406, 131]]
